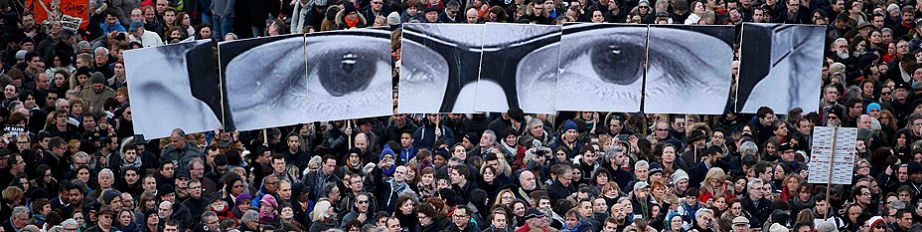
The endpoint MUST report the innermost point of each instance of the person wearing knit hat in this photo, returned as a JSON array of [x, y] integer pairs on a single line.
[[393, 19], [872, 107], [268, 209], [387, 158], [21, 55], [350, 17], [441, 155], [243, 197], [877, 224], [569, 125], [741, 224], [777, 228], [98, 78], [431, 15], [110, 195], [679, 175]]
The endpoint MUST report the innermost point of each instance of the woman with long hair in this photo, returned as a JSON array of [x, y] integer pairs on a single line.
[[406, 212], [505, 198], [791, 187], [714, 184], [323, 217]]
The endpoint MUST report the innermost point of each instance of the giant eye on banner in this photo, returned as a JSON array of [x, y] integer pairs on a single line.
[[469, 68], [263, 77], [263, 82], [688, 69], [601, 67]]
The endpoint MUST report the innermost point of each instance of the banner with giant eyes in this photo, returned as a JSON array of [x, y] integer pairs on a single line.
[[264, 81], [349, 75], [519, 68], [688, 69], [780, 67], [601, 67], [439, 67], [173, 86]]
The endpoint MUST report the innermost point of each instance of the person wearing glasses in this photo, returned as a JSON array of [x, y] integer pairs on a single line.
[[461, 219], [104, 220], [430, 220], [377, 8], [361, 211], [704, 221], [210, 222], [863, 198], [70, 225]]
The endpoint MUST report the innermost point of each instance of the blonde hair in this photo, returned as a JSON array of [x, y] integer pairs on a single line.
[[380, 21], [320, 210], [720, 176]]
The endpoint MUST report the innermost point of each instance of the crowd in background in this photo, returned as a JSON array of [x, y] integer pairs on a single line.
[[70, 161]]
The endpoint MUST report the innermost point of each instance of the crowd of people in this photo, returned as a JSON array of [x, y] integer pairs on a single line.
[[70, 161]]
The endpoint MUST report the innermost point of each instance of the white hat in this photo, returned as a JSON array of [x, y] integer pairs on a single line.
[[777, 228]]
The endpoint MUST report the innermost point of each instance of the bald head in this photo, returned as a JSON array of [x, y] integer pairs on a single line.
[[472, 15]]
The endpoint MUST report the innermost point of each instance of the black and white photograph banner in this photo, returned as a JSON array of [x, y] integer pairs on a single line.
[[688, 69], [344, 80], [173, 86], [601, 67], [519, 68], [440, 65], [264, 79], [780, 66]]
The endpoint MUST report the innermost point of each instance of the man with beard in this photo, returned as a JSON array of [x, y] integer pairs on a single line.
[[842, 55], [619, 216], [527, 185], [568, 141], [294, 155]]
